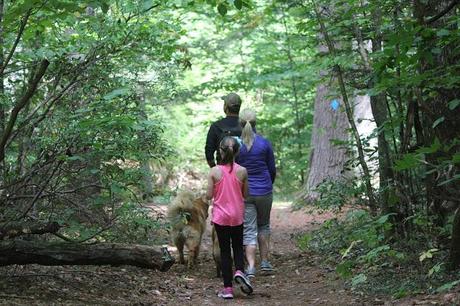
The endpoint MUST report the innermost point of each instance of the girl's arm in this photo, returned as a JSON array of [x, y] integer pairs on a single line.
[[210, 188], [245, 184]]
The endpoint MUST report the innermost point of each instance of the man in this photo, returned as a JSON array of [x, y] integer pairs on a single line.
[[228, 126]]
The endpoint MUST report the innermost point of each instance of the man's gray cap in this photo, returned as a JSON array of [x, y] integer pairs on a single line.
[[232, 99]]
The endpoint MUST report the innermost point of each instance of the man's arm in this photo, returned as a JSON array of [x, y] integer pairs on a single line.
[[211, 145], [210, 188]]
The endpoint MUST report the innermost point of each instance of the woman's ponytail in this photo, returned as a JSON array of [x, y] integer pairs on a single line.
[[248, 123], [247, 135]]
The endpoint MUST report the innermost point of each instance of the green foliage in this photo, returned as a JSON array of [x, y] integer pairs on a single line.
[[369, 257], [137, 225], [85, 135], [335, 194]]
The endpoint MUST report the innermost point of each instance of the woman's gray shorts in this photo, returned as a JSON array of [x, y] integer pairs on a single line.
[[256, 217]]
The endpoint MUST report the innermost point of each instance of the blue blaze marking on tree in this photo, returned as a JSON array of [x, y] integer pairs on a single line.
[[335, 104]]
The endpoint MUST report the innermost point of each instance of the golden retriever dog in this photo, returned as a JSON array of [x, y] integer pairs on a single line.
[[216, 251], [187, 214]]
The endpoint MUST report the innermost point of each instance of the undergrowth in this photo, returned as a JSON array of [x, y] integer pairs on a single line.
[[372, 257]]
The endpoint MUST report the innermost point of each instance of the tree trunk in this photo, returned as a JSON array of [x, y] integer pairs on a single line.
[[327, 160], [14, 229], [2, 84], [436, 107], [296, 106], [147, 175], [454, 256], [349, 110], [19, 252], [380, 114]]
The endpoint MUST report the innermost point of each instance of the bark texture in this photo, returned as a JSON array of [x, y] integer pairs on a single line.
[[327, 160], [22, 252]]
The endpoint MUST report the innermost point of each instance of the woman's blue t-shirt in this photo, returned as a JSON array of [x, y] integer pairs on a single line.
[[260, 164]]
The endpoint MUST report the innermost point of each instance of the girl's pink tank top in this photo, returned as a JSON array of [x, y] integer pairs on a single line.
[[228, 206]]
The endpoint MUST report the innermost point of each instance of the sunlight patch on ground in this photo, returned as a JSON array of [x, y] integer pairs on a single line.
[[282, 203]]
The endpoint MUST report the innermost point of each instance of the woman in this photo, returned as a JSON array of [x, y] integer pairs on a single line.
[[256, 155]]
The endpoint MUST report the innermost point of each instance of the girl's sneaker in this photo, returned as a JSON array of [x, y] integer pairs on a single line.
[[226, 293], [243, 282]]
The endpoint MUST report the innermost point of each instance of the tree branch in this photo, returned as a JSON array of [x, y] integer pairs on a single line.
[[143, 12], [443, 12], [20, 105], [15, 229], [16, 42]]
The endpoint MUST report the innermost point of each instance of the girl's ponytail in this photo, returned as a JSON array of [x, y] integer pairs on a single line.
[[230, 149]]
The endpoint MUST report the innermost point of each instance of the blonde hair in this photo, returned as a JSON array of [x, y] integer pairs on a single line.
[[248, 121]]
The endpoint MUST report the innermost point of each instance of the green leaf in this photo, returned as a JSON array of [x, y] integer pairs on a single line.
[[116, 93], [222, 9], [115, 188], [238, 4], [76, 157], [448, 286], [454, 103], [443, 32], [105, 7], [435, 269], [349, 248], [147, 4], [358, 279], [344, 269], [431, 149], [456, 158], [409, 161], [383, 219], [438, 121], [427, 254]]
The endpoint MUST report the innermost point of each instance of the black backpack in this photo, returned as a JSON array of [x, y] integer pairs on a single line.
[[233, 131]]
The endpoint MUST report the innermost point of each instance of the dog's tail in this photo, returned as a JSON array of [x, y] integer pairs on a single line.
[[181, 208]]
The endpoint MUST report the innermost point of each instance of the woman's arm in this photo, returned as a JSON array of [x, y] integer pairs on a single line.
[[270, 159]]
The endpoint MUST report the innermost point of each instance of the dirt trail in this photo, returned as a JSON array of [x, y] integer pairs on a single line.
[[298, 279]]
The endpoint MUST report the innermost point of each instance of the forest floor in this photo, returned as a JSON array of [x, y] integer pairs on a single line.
[[300, 278]]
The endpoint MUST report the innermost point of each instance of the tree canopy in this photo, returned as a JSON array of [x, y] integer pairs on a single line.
[[105, 104]]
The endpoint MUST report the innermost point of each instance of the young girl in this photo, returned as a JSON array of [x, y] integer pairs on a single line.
[[228, 185]]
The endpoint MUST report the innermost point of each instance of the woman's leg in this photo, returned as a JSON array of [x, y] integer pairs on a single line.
[[224, 235], [264, 207], [250, 232]]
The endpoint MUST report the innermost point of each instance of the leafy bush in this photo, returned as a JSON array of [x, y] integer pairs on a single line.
[[335, 194], [369, 258]]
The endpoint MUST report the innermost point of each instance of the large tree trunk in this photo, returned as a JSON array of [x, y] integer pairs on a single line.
[[22, 252], [327, 160]]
